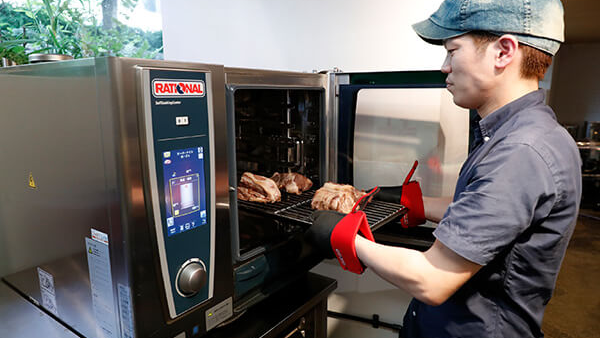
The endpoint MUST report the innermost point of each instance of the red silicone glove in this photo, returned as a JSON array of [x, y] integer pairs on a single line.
[[409, 195], [334, 233]]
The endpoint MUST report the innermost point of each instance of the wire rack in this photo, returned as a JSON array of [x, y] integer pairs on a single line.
[[296, 208]]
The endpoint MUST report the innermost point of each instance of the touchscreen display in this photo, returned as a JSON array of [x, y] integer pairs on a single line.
[[185, 192]]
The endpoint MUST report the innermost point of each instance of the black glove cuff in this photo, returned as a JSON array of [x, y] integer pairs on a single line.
[[319, 234], [389, 194]]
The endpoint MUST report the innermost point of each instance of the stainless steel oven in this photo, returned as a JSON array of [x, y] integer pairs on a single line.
[[118, 198], [114, 195], [280, 122]]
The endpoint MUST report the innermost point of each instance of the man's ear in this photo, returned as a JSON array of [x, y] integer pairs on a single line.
[[506, 48]]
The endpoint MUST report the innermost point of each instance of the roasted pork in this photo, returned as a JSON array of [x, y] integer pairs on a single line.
[[293, 183], [338, 197], [256, 188]]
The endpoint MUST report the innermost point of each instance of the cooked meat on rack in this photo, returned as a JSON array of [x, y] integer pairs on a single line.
[[293, 183], [338, 197], [256, 188]]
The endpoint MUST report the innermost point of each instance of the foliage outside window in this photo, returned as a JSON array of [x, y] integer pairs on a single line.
[[73, 27]]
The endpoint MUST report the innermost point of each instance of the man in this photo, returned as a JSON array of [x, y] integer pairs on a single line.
[[502, 237]]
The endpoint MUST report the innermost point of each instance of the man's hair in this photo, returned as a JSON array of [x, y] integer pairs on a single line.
[[535, 62]]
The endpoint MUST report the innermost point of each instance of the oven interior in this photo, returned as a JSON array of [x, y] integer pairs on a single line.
[[279, 130], [272, 129], [275, 130]]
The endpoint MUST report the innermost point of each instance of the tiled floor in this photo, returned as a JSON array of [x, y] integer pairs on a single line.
[[574, 310]]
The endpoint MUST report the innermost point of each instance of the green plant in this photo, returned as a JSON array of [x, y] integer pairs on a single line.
[[14, 53], [68, 27], [52, 25], [120, 40], [12, 43]]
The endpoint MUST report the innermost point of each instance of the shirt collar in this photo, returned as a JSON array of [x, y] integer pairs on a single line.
[[477, 137], [489, 124]]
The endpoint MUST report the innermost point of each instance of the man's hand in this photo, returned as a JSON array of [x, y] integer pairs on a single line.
[[409, 195], [333, 234]]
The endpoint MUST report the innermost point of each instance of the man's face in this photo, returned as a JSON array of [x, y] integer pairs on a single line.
[[470, 71]]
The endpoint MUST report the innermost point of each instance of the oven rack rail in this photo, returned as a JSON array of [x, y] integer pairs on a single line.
[[296, 208]]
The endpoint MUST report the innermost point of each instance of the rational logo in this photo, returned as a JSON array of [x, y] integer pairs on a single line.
[[177, 88]]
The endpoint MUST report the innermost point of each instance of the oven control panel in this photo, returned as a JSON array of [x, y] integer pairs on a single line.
[[176, 122]]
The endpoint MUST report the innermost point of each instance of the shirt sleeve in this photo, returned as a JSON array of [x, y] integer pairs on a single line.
[[508, 191]]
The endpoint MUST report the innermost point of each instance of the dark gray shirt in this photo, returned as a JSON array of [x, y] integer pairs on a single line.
[[514, 210]]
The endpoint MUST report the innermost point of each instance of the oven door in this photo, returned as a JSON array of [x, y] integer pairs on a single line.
[[275, 124], [386, 121]]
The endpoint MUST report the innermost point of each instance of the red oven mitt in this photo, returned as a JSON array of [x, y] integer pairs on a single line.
[[409, 195], [334, 233]]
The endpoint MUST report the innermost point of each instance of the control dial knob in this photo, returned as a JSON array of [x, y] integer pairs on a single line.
[[191, 277]]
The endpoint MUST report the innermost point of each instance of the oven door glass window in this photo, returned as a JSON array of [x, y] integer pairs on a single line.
[[396, 126]]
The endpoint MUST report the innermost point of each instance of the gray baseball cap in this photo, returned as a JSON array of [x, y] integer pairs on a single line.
[[537, 23]]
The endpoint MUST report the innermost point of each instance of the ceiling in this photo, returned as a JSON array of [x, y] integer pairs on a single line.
[[582, 21]]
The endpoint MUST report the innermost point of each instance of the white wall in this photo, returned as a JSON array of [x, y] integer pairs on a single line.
[[575, 94], [302, 35]]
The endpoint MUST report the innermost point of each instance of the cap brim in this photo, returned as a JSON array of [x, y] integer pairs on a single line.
[[434, 34], [545, 45]]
